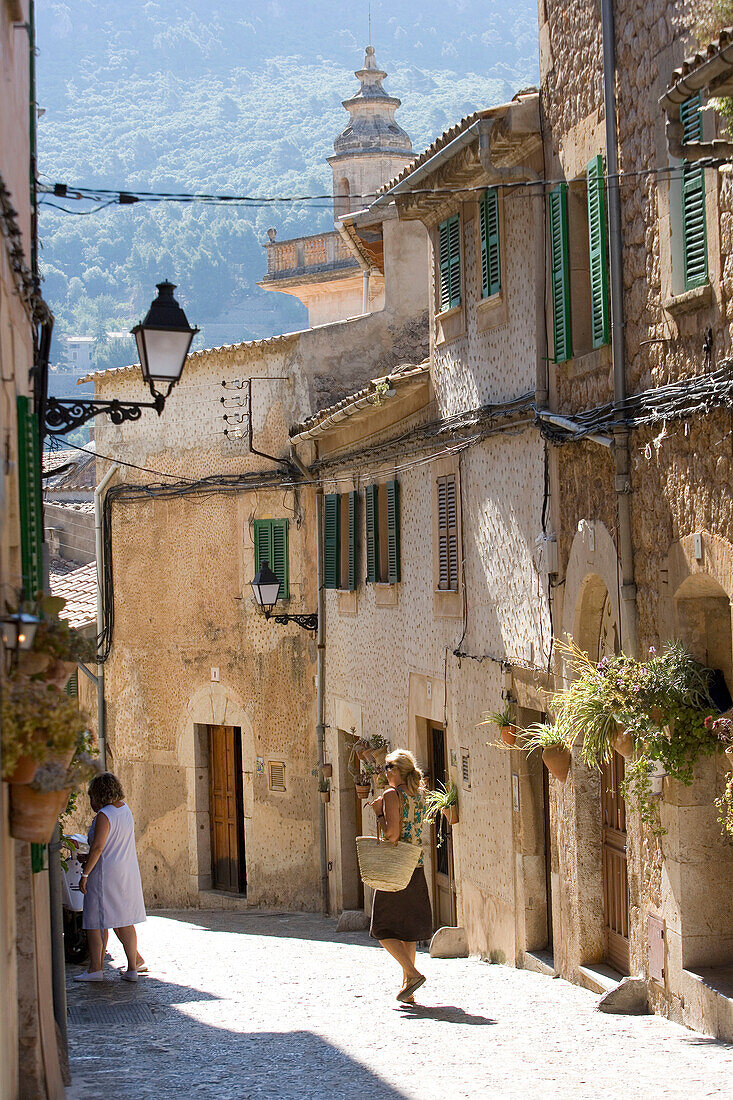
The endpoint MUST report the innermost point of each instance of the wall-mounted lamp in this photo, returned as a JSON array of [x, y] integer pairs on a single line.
[[266, 590], [18, 631]]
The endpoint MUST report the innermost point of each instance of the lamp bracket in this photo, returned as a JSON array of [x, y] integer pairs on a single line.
[[63, 414], [307, 622]]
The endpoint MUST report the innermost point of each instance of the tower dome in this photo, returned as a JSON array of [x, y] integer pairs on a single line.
[[372, 148]]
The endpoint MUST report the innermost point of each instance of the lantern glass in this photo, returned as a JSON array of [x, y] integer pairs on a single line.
[[19, 631], [164, 338], [265, 587]]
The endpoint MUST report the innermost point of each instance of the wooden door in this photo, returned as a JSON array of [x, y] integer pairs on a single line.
[[615, 872], [444, 889], [548, 851], [225, 801]]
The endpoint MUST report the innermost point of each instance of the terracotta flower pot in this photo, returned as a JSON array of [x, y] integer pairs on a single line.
[[623, 743], [380, 755], [326, 770], [360, 749], [325, 796], [508, 735], [368, 756], [450, 813], [362, 791], [33, 814], [557, 761], [23, 772]]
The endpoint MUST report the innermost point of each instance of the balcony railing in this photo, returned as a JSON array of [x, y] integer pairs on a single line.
[[321, 252]]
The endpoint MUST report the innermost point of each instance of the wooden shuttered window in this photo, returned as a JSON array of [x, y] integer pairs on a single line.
[[271, 545], [598, 251], [393, 531], [490, 251], [560, 273], [447, 533], [31, 506], [352, 566], [382, 522], [371, 518], [331, 541], [694, 228], [449, 248]]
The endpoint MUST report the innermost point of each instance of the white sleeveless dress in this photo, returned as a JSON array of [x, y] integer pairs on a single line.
[[114, 896]]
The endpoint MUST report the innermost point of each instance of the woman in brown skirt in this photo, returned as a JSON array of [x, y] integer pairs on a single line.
[[402, 918]]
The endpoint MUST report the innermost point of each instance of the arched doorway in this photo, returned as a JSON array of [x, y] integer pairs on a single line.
[[599, 636]]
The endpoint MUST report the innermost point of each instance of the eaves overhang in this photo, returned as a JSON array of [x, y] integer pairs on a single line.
[[710, 71]]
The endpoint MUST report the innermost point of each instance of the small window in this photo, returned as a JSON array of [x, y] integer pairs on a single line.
[[383, 533], [340, 546], [694, 228], [277, 775], [466, 769], [560, 273], [447, 534], [490, 245], [599, 308], [271, 546], [449, 258]]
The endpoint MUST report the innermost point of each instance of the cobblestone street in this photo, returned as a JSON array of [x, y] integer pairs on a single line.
[[280, 1005]]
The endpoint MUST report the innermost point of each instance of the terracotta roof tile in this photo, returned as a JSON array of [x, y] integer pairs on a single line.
[[79, 589]]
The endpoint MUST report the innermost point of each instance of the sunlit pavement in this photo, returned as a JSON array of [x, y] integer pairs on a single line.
[[280, 1005]]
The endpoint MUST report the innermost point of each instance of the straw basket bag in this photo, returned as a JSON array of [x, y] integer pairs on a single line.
[[384, 865]]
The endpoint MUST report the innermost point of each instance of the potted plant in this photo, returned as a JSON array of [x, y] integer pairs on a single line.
[[39, 722], [555, 743], [504, 719], [324, 787], [326, 770], [444, 799], [379, 749], [363, 785], [35, 807]]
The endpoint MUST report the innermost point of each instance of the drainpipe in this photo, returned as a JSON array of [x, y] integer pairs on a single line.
[[628, 610], [320, 693], [365, 291], [101, 725]]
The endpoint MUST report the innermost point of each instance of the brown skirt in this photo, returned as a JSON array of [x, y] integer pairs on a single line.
[[405, 914]]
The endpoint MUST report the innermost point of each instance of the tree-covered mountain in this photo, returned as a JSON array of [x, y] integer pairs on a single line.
[[237, 97]]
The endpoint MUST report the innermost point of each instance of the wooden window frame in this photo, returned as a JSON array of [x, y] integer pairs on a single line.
[[447, 603], [598, 251], [450, 275], [447, 486], [382, 532], [266, 533], [490, 238], [560, 273], [332, 541], [694, 221]]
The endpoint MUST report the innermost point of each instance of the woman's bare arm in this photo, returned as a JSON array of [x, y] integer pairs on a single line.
[[391, 802], [101, 832]]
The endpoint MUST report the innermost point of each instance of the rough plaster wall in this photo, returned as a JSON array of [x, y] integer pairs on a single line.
[[498, 364], [173, 624], [680, 475], [501, 483]]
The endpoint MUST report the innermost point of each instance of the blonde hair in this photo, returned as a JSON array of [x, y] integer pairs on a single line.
[[406, 764]]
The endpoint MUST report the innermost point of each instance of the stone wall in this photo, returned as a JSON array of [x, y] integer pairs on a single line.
[[71, 529]]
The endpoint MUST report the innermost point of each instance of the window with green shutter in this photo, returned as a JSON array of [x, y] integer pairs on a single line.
[[447, 533], [371, 522], [694, 228], [331, 540], [490, 252], [560, 272], [449, 248], [31, 507], [392, 489], [271, 545], [352, 561], [597, 248]]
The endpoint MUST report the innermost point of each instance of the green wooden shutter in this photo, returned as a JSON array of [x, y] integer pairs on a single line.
[[447, 534], [449, 246], [393, 532], [490, 252], [332, 549], [598, 251], [31, 505], [280, 564], [271, 546], [372, 533], [72, 684], [353, 505], [560, 272], [694, 228]]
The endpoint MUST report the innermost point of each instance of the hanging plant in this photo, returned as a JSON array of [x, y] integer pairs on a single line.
[[555, 741], [504, 719], [37, 720], [444, 799]]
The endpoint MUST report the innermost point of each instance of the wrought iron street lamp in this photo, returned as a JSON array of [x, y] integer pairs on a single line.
[[266, 591], [163, 341], [18, 631]]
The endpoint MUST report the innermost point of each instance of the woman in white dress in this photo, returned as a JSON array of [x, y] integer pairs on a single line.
[[113, 893]]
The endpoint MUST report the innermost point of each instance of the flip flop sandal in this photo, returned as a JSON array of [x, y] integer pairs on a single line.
[[410, 988]]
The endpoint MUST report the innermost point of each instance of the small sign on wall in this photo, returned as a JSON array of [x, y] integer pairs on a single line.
[[515, 793], [260, 765], [215, 675]]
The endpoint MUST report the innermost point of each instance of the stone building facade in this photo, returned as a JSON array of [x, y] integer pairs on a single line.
[[419, 654], [29, 1058], [672, 579]]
